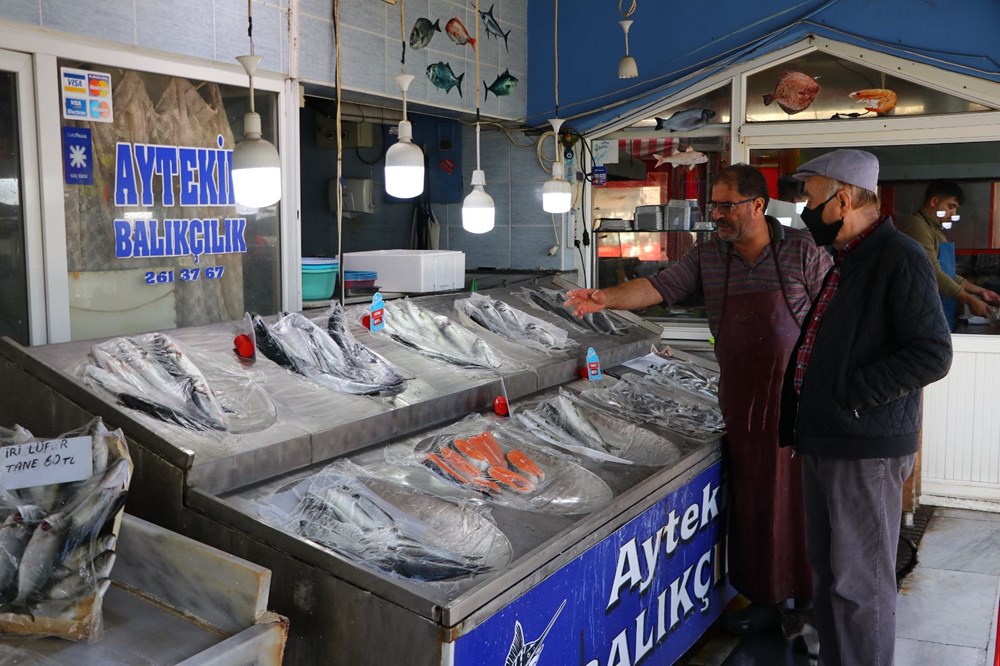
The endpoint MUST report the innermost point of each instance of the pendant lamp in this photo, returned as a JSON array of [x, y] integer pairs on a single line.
[[478, 210], [256, 169], [404, 161], [557, 195], [627, 69]]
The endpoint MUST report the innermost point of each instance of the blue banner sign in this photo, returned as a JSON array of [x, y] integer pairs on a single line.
[[78, 158], [644, 594]]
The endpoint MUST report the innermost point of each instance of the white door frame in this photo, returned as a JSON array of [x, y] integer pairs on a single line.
[[21, 66]]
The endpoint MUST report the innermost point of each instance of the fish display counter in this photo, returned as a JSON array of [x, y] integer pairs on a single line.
[[402, 518]]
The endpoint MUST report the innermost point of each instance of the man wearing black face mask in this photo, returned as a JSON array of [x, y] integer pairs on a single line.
[[851, 402]]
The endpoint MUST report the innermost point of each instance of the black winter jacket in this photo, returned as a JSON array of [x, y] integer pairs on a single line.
[[883, 338]]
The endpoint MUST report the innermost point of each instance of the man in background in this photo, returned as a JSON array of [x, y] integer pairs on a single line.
[[875, 336], [941, 201], [758, 279]]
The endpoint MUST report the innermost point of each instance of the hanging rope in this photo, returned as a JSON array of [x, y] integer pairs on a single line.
[[402, 33], [476, 48], [555, 42], [626, 12], [340, 155]]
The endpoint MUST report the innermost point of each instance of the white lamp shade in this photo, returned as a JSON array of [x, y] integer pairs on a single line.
[[404, 170], [627, 69], [557, 195], [256, 173], [478, 211]]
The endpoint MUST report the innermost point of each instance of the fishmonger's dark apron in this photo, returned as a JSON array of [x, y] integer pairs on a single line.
[[767, 556], [946, 257]]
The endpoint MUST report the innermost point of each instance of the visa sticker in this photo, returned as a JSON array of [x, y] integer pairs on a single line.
[[600, 175], [593, 365], [376, 322]]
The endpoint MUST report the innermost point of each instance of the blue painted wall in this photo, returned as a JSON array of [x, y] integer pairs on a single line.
[[673, 39]]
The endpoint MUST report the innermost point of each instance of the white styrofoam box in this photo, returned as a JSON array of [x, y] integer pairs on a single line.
[[411, 270]]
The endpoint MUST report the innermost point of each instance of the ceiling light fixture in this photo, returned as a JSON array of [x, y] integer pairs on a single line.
[[256, 169], [478, 209], [404, 161], [557, 195], [627, 69]]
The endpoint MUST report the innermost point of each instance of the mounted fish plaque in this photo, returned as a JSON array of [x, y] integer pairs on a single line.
[[376, 319], [593, 365]]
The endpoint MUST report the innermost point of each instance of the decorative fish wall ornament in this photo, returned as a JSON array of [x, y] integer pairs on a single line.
[[443, 77], [793, 92]]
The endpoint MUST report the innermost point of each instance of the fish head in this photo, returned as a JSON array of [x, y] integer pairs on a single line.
[[707, 114]]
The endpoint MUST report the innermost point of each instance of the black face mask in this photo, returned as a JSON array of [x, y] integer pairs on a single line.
[[823, 234]]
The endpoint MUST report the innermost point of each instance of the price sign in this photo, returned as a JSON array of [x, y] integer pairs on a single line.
[[44, 463], [377, 311], [593, 365]]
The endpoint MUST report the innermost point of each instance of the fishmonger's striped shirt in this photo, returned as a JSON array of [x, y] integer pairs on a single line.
[[702, 270]]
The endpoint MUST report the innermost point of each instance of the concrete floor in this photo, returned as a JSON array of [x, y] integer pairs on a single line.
[[947, 609]]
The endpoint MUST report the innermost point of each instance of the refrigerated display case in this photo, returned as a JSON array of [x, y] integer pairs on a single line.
[[588, 581]]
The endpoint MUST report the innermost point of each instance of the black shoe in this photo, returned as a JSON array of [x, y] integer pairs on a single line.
[[752, 620]]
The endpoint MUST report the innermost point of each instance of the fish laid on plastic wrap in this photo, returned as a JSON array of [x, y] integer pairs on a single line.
[[513, 324], [333, 359], [357, 515], [57, 543], [673, 372], [641, 399], [437, 336], [553, 301], [151, 374]]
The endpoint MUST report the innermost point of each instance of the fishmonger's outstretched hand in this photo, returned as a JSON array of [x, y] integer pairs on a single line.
[[991, 297], [585, 301]]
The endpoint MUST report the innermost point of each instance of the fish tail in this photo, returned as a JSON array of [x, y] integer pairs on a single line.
[[768, 98], [486, 94], [505, 35], [437, 25], [659, 123], [472, 41], [459, 84]]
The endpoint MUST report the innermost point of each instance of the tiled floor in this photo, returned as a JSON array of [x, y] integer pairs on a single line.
[[947, 610]]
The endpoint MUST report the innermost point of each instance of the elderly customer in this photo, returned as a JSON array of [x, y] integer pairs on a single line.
[[851, 402]]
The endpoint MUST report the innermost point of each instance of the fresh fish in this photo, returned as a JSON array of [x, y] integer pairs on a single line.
[[511, 479], [553, 301], [493, 28], [14, 535], [526, 465], [879, 100], [688, 158], [442, 76], [458, 34], [793, 92], [88, 514], [177, 363], [686, 120], [528, 654], [436, 336], [422, 32], [639, 398], [267, 344], [40, 556], [502, 86]]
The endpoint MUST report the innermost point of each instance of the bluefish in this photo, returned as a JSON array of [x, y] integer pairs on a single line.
[[686, 120]]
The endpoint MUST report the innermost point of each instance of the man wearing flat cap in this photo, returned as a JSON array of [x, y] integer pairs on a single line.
[[874, 337]]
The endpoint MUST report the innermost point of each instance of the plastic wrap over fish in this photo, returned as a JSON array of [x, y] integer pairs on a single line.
[[154, 375], [646, 401], [675, 373], [552, 300], [482, 460], [57, 542], [331, 358], [513, 324], [378, 523], [438, 337], [564, 421]]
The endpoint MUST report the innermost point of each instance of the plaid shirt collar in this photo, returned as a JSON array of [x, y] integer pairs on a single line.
[[856, 241]]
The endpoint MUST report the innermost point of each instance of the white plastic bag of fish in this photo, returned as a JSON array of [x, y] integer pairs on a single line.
[[437, 337], [57, 543], [553, 301], [639, 399], [332, 358], [377, 523], [515, 325], [153, 374], [567, 423], [485, 461]]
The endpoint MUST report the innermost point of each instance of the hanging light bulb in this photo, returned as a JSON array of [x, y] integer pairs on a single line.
[[627, 69], [557, 195], [256, 169], [478, 210], [404, 161]]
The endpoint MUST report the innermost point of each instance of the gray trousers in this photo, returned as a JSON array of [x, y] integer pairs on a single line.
[[853, 510]]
